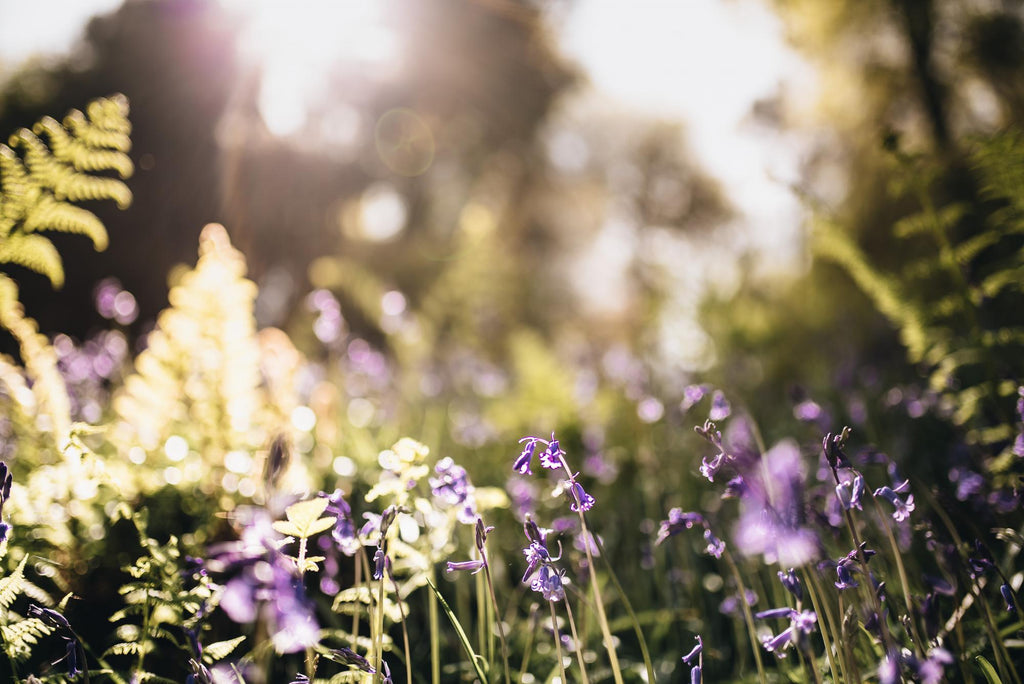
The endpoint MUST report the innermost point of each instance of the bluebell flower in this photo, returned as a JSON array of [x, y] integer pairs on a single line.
[[677, 522], [200, 673], [378, 563], [846, 580], [833, 445], [522, 464], [850, 493], [694, 660], [710, 468], [800, 622], [735, 488], [903, 509], [1007, 593], [695, 652], [691, 395], [792, 583], [581, 500], [715, 547], [473, 566], [549, 583], [552, 457], [347, 656], [720, 409], [932, 669], [452, 486], [344, 532]]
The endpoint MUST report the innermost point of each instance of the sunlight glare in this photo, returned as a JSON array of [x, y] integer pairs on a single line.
[[296, 46]]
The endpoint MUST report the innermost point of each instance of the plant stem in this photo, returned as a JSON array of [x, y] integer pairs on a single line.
[[747, 616], [577, 642], [602, 618], [435, 641], [558, 642], [498, 620], [825, 611]]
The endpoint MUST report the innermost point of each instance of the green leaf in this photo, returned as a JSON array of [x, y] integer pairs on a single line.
[[221, 649], [304, 519], [988, 670], [461, 633]]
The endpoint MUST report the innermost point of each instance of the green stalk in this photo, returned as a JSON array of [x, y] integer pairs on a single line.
[[528, 650], [629, 610], [579, 644], [498, 620], [405, 629], [435, 641], [821, 609], [747, 616], [919, 643], [558, 642]]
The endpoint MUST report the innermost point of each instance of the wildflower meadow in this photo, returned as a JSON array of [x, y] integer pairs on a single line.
[[357, 495]]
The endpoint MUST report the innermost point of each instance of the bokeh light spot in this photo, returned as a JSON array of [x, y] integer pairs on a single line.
[[404, 142]]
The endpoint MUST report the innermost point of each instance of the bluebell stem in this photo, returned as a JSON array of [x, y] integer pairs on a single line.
[[903, 509]]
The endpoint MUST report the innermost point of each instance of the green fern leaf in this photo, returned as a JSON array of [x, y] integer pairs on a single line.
[[33, 252], [11, 585], [221, 649]]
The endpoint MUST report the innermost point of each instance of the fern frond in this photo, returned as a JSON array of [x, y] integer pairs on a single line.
[[129, 648], [34, 252], [38, 190], [49, 214], [221, 649], [12, 584], [19, 637]]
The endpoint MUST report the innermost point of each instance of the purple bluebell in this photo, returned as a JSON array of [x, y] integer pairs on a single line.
[[378, 563], [833, 445], [715, 547], [347, 656], [931, 670], [735, 488], [451, 485], [694, 660], [581, 501], [522, 464], [792, 583], [691, 395], [845, 580], [677, 522], [710, 468], [472, 566], [549, 583], [344, 532], [720, 408], [553, 458], [850, 492], [903, 508], [800, 622], [1007, 593]]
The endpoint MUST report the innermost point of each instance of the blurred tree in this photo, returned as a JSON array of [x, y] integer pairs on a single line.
[[907, 85]]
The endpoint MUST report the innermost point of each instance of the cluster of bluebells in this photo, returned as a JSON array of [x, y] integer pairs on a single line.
[[553, 458], [541, 572], [450, 485]]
